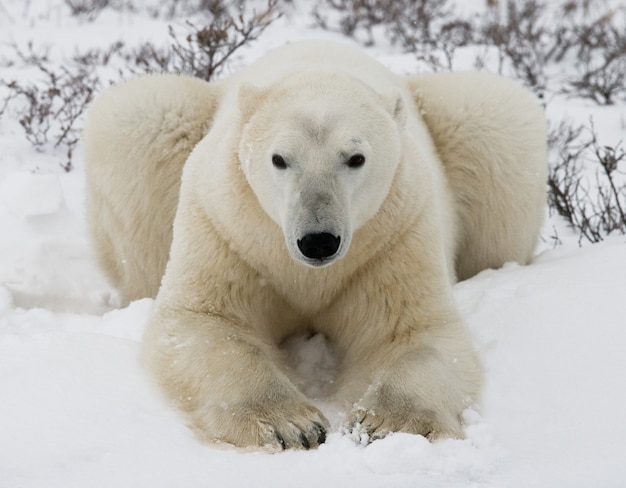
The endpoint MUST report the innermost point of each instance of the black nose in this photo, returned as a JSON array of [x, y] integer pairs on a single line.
[[319, 246]]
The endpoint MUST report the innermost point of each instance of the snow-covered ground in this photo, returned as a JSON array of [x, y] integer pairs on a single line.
[[76, 410]]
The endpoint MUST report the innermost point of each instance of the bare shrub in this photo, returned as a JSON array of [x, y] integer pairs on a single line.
[[601, 61], [148, 58], [604, 84], [426, 28], [529, 35], [454, 34], [429, 30], [601, 33], [48, 110], [418, 21], [185, 8], [89, 9], [594, 208], [523, 38], [95, 58], [355, 15], [204, 50]]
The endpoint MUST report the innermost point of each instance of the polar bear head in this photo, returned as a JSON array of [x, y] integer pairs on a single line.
[[320, 151]]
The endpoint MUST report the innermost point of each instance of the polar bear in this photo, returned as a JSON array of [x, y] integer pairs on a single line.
[[312, 191]]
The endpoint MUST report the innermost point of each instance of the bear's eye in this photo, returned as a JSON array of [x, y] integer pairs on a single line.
[[356, 161], [279, 162]]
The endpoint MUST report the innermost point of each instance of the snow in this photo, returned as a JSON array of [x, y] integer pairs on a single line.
[[76, 408], [19, 188]]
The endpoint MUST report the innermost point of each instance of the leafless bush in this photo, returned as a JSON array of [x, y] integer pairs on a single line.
[[216, 8], [355, 15], [429, 29], [594, 208], [603, 84], [600, 32], [529, 35], [148, 58], [94, 58], [601, 60], [454, 34], [204, 50], [48, 110], [426, 28], [525, 39], [418, 21], [89, 9], [26, 57]]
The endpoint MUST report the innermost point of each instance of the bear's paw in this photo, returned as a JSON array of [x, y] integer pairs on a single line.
[[271, 428], [367, 424]]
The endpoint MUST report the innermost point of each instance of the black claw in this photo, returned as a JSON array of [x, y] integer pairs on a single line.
[[321, 433], [280, 440], [304, 441]]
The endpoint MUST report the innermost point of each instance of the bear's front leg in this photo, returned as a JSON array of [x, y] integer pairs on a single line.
[[417, 380], [229, 382]]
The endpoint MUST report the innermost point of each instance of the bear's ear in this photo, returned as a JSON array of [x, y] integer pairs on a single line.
[[250, 97], [395, 105]]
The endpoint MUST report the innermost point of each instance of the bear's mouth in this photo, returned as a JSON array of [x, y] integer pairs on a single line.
[[319, 249]]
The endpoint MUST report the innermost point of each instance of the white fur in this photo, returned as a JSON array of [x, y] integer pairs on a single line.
[[318, 192], [137, 138], [454, 178]]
